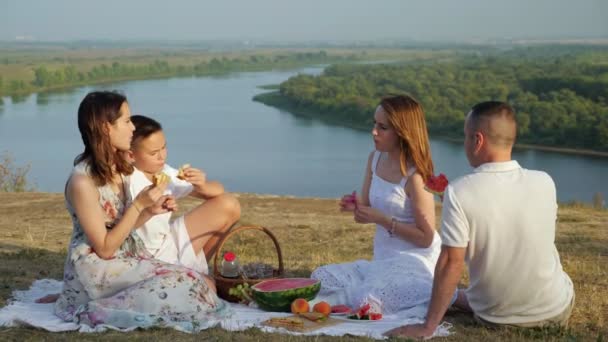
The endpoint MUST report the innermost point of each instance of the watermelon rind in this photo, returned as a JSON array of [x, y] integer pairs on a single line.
[[280, 300], [435, 192]]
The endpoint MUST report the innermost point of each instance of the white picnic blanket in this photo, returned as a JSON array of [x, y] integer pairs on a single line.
[[23, 311]]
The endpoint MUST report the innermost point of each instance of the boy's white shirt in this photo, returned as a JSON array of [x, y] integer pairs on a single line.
[[157, 229]]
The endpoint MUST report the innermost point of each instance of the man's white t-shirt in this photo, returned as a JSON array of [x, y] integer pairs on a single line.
[[157, 229], [506, 218]]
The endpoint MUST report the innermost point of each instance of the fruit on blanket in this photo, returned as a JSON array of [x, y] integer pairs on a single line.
[[242, 292], [340, 309], [299, 305], [375, 316], [436, 184], [322, 307], [278, 294], [364, 313]]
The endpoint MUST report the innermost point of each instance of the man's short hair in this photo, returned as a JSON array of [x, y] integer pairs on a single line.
[[502, 132]]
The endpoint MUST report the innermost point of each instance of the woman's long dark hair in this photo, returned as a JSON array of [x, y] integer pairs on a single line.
[[95, 110]]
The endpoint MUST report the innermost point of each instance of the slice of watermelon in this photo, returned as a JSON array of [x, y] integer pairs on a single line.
[[362, 311], [277, 294], [352, 198], [340, 309], [436, 184], [375, 316]]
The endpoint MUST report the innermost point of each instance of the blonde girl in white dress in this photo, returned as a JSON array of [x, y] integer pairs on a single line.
[[406, 244]]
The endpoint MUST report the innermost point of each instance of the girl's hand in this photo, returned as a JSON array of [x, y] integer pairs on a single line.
[[365, 214]]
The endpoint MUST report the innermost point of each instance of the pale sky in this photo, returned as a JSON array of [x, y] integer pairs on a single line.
[[302, 20]]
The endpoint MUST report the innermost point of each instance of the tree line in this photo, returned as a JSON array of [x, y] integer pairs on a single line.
[[69, 75], [561, 101]]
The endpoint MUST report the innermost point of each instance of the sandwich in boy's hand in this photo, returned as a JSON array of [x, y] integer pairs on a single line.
[[160, 178], [180, 172]]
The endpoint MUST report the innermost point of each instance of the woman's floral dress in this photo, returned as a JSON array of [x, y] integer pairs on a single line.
[[132, 289]]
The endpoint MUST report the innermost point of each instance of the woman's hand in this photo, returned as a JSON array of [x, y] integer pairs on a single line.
[[165, 204], [149, 196], [365, 214], [349, 202]]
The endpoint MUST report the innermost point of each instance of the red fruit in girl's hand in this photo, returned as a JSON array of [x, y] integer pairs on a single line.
[[436, 184], [352, 198]]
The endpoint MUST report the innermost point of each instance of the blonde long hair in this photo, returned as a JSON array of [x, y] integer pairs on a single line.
[[407, 118]]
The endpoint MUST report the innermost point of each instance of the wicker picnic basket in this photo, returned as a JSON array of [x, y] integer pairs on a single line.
[[224, 284]]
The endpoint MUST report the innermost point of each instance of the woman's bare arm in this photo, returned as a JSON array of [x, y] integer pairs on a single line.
[[84, 198], [422, 231], [367, 180]]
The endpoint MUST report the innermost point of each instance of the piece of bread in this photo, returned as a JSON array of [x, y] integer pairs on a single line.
[[160, 178], [292, 322], [313, 316], [180, 172]]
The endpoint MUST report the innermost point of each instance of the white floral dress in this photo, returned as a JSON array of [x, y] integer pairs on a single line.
[[400, 275], [132, 289]]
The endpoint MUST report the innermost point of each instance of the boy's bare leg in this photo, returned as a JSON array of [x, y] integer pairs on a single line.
[[208, 223]]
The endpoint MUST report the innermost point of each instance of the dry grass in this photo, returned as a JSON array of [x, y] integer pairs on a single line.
[[35, 228]]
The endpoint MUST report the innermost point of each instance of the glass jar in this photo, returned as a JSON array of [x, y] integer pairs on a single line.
[[230, 266]]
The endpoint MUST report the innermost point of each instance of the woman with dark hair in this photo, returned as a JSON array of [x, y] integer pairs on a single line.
[[109, 276], [406, 245]]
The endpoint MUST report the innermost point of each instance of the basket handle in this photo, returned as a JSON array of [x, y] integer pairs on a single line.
[[243, 228]]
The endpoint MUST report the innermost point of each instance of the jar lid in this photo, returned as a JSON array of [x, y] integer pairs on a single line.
[[229, 256]]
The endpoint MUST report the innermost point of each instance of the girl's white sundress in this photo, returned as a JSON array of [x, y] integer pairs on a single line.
[[132, 289], [400, 274]]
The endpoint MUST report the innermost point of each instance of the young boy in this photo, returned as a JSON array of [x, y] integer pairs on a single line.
[[191, 239]]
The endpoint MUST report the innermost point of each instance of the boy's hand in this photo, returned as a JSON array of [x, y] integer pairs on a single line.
[[170, 204], [196, 177]]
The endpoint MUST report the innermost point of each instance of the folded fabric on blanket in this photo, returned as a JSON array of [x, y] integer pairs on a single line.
[[24, 311]]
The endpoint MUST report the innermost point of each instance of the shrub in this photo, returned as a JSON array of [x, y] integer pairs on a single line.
[[13, 178]]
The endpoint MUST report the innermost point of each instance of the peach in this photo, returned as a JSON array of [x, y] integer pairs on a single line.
[[299, 305], [322, 307]]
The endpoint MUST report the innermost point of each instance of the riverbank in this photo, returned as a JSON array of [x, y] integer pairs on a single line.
[[35, 230], [274, 99], [26, 88], [39, 68]]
